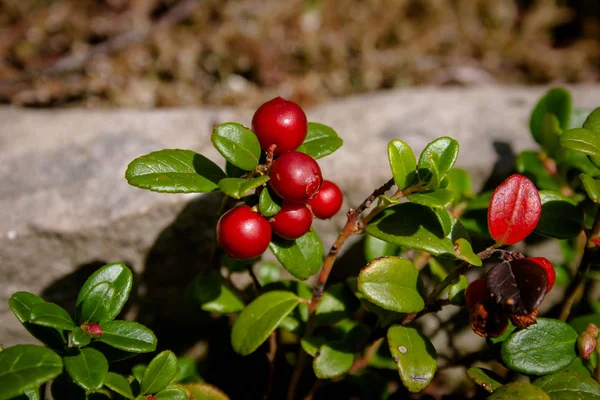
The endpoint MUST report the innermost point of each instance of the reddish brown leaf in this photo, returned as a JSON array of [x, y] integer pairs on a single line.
[[488, 320]]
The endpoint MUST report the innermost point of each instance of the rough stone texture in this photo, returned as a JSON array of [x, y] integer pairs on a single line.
[[65, 206]]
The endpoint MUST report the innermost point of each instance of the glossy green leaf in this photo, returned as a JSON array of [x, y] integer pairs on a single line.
[[561, 218], [550, 133], [174, 171], [80, 338], [592, 187], [391, 283], [436, 160], [160, 372], [51, 315], [238, 187], [213, 294], [171, 393], [232, 171], [118, 384], [386, 317], [26, 366], [581, 140], [432, 198], [567, 385], [485, 378], [592, 122], [415, 356], [556, 101], [311, 345], [138, 372], [128, 336], [237, 144], [333, 359], [456, 291], [414, 226], [541, 349], [403, 163], [571, 159], [320, 141], [519, 391], [374, 248], [104, 294], [337, 303], [529, 164], [188, 372], [204, 391], [464, 251], [87, 367], [268, 204], [302, 257], [459, 182], [445, 219], [268, 272]]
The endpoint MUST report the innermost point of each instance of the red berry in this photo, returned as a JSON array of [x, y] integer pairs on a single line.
[[544, 263], [292, 221], [243, 233], [295, 176], [150, 398], [327, 201], [476, 292], [280, 122]]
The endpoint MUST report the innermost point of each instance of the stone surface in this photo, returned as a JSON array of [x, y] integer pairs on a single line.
[[65, 206]]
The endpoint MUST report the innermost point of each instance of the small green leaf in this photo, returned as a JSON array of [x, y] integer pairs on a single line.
[[238, 187], [87, 367], [375, 248], [436, 160], [464, 251], [321, 140], [445, 219], [312, 344], [550, 133], [337, 303], [432, 198], [334, 359], [160, 372], [415, 356], [485, 378], [456, 291], [530, 165], [104, 294], [581, 140], [302, 257], [391, 283], [268, 272], [386, 317], [171, 393], [80, 338], [519, 391], [237, 144], [187, 370], [213, 294], [459, 182], [592, 122], [581, 322], [267, 203], [174, 171], [26, 366], [51, 315], [256, 322], [556, 101], [204, 391], [118, 384], [128, 336], [138, 372], [592, 187], [569, 385], [541, 349], [403, 163], [561, 218]]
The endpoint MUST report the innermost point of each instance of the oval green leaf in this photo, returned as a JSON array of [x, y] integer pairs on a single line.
[[171, 393], [375, 248], [459, 182], [256, 322], [592, 187], [541, 349], [204, 391], [267, 203], [556, 101], [87, 367], [519, 391], [592, 122], [160, 372], [464, 251], [485, 378], [302, 257], [561, 218], [456, 291], [530, 165], [581, 140], [337, 303], [80, 338], [567, 385], [238, 187], [432, 198], [392, 284], [118, 384], [436, 160], [213, 294], [174, 171], [414, 355], [321, 140], [51, 315], [128, 336], [237, 144], [403, 164], [333, 359], [386, 317]]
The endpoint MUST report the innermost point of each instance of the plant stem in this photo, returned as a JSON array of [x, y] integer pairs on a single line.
[[271, 355], [255, 280], [368, 354]]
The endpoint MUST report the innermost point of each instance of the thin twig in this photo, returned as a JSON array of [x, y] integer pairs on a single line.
[[368, 354], [255, 281], [271, 356]]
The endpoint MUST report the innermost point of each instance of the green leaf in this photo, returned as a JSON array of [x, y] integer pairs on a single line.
[[302, 257], [519, 391], [171, 393], [174, 171], [581, 140], [530, 165], [238, 187], [374, 248], [432, 198], [160, 372], [268, 272], [256, 322], [118, 384], [237, 144], [80, 338], [386, 317], [550, 133], [334, 359], [26, 366], [415, 356], [592, 187], [414, 226], [213, 294], [403, 163], [337, 303], [592, 122], [268, 205], [464, 251], [104, 294], [567, 385], [232, 171], [436, 160], [312, 344], [459, 182], [561, 218], [187, 370], [445, 219], [87, 367], [128, 336], [456, 291], [204, 391], [581, 322], [138, 372], [556, 101], [541, 349], [485, 378], [51, 315], [320, 141], [391, 283]]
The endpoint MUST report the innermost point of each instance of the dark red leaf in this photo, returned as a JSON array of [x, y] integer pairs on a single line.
[[488, 320], [515, 209]]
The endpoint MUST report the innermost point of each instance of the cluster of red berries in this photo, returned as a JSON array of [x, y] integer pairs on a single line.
[[295, 177]]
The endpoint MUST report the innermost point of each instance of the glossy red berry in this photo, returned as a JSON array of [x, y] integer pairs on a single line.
[[280, 122], [292, 221], [550, 272], [295, 176], [243, 233], [476, 292], [328, 200]]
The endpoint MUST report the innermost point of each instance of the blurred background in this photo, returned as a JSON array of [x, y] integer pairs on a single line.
[[174, 53]]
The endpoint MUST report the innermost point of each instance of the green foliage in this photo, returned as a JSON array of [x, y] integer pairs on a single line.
[[237, 144], [87, 367], [333, 359], [556, 102], [128, 336], [561, 218], [403, 164], [569, 385], [487, 379], [436, 160], [268, 205], [213, 294], [321, 140], [238, 187], [518, 391], [159, 374], [301, 257]]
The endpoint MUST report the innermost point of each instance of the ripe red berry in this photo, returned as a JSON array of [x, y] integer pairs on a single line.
[[328, 200], [280, 122], [94, 330], [295, 176], [243, 233], [476, 292], [550, 272], [292, 221]]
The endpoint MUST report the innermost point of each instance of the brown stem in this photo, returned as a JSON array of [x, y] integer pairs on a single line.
[[255, 280], [368, 354], [271, 355]]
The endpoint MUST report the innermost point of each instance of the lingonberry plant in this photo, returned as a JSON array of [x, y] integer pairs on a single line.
[[426, 235]]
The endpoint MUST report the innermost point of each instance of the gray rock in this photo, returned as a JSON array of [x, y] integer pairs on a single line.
[[65, 206]]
